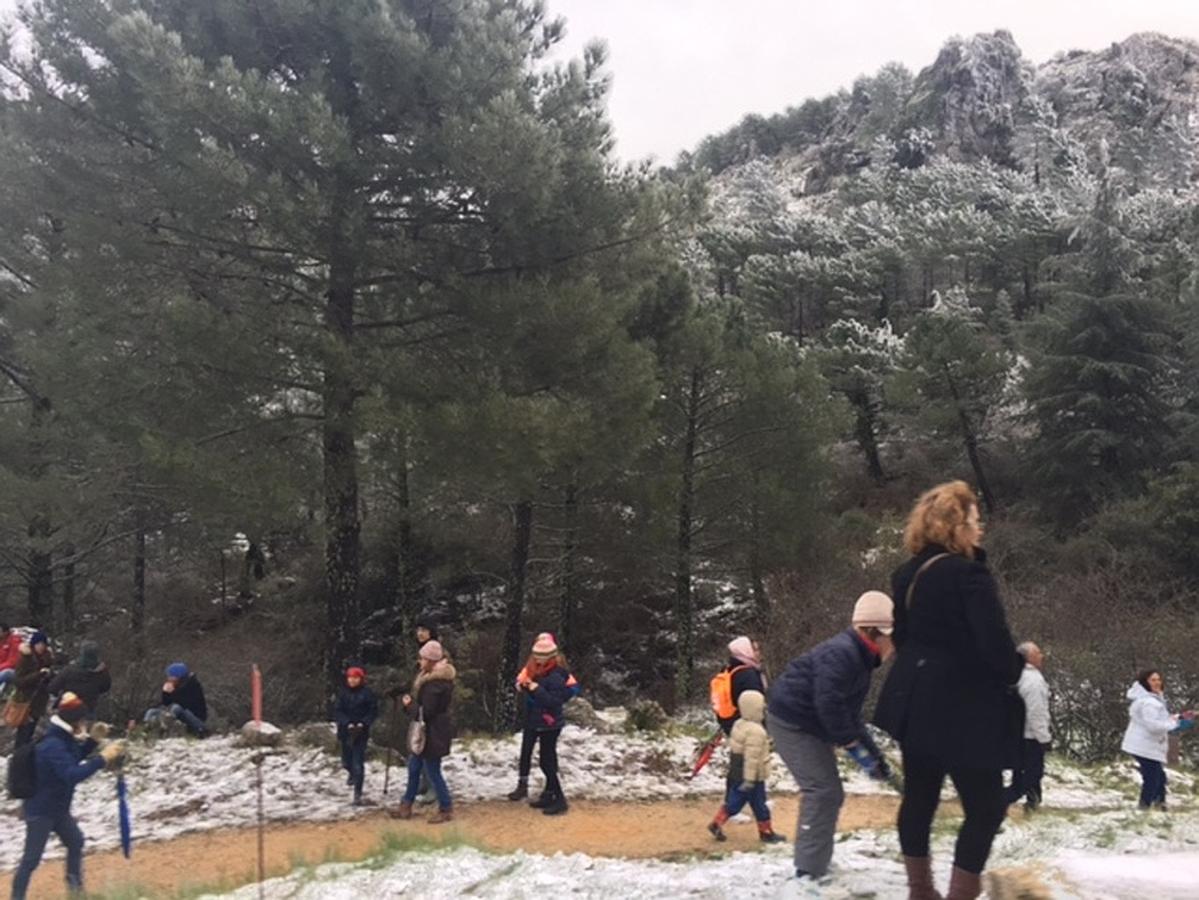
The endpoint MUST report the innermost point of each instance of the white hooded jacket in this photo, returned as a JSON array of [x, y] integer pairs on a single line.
[[1149, 724]]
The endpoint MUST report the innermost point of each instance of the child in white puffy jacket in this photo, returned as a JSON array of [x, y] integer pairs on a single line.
[[749, 765], [1148, 735]]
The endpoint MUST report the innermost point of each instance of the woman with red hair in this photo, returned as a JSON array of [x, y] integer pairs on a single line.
[[946, 699]]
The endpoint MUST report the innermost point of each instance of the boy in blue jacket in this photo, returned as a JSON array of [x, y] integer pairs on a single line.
[[62, 759]]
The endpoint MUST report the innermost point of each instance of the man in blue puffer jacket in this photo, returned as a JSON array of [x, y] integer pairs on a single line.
[[63, 758], [816, 706]]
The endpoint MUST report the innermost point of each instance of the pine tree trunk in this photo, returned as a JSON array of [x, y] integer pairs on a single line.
[[400, 574], [137, 612], [970, 439], [569, 602], [40, 577], [522, 536], [342, 525], [866, 434], [757, 585], [68, 591], [684, 613]]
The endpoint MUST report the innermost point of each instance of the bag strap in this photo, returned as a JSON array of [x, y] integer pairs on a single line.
[[907, 600]]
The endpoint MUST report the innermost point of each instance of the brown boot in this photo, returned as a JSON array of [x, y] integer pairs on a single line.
[[403, 811], [441, 816], [964, 885], [920, 878]]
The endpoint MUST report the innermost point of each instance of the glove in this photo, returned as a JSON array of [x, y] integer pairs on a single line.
[[113, 754], [99, 731], [866, 760]]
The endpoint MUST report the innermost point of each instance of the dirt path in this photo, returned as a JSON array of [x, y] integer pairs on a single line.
[[660, 829]]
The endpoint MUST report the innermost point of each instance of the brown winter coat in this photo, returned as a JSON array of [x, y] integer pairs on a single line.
[[431, 695], [32, 684], [749, 745]]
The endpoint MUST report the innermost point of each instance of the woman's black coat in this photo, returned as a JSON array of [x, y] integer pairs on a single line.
[[948, 695]]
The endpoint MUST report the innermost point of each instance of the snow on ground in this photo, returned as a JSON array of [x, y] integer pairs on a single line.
[[1111, 855], [181, 785], [465, 871]]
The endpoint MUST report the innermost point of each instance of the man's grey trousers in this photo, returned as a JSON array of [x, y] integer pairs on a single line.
[[813, 764]]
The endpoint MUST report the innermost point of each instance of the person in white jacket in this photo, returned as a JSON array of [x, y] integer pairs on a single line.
[[1147, 737], [1034, 691]]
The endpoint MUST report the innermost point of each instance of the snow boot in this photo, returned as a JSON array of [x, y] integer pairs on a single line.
[[714, 827], [403, 811], [964, 885], [557, 806], [522, 790], [544, 800], [920, 878], [767, 835], [441, 816]]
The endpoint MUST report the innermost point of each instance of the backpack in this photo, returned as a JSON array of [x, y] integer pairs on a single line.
[[22, 772], [720, 692]]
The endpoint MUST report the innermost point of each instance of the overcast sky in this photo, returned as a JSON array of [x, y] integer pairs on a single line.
[[683, 69]]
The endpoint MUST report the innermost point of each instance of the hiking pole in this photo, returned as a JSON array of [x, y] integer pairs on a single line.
[[256, 706], [391, 739]]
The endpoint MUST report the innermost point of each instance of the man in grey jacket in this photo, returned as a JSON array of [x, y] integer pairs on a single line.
[[1034, 691]]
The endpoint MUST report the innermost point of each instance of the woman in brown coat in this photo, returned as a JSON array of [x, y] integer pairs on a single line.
[[429, 702]]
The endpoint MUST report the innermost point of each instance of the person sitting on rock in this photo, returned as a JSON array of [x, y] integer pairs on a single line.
[[183, 699]]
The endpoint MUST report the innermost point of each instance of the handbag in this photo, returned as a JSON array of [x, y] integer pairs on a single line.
[[891, 710], [417, 734], [16, 713]]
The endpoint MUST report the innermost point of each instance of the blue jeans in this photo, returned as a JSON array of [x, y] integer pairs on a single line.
[[7, 675], [193, 722], [37, 832], [432, 771], [1153, 781], [353, 760], [736, 799]]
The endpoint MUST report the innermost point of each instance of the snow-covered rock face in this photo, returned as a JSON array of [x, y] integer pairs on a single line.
[[982, 99], [1141, 96]]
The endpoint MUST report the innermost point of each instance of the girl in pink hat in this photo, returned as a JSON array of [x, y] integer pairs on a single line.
[[546, 685]]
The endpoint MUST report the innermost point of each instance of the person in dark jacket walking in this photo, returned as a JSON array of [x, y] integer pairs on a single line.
[[35, 670], [545, 684], [88, 678], [63, 758], [948, 699], [355, 712], [816, 706], [183, 698], [429, 702]]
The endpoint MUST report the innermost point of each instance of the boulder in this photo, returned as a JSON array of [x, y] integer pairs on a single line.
[[260, 734], [321, 735], [646, 715], [581, 713]]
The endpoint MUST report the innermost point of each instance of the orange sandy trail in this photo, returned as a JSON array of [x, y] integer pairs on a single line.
[[228, 859]]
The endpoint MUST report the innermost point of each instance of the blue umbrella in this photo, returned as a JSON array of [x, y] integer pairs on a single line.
[[123, 813]]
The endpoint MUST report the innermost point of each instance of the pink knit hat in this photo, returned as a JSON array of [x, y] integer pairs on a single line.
[[431, 650], [545, 645], [742, 650]]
